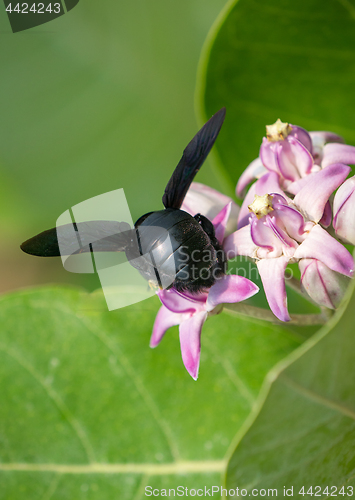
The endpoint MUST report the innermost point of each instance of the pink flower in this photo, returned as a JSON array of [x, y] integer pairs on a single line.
[[191, 311], [293, 154], [287, 150], [281, 231], [188, 310]]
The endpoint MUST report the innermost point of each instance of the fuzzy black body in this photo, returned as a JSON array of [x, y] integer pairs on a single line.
[[170, 248], [178, 250]]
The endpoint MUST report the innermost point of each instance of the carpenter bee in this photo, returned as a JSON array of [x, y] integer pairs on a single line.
[[170, 248]]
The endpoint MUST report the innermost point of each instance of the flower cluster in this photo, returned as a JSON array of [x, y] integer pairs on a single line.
[[289, 215]]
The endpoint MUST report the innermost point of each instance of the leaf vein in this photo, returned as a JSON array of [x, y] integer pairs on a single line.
[[291, 439], [149, 469], [163, 425], [317, 398], [52, 487], [143, 483], [231, 373], [54, 396], [302, 463]]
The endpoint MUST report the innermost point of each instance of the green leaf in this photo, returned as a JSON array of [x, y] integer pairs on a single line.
[[89, 411], [267, 60], [304, 433]]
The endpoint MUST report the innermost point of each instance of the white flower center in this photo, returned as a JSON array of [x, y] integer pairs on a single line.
[[278, 131], [261, 205]]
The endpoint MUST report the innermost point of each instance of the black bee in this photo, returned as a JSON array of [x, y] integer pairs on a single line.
[[170, 248]]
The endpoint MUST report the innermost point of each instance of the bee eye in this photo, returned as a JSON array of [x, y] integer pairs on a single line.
[[206, 225]]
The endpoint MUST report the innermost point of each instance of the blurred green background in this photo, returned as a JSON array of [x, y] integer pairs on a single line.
[[99, 99], [103, 98]]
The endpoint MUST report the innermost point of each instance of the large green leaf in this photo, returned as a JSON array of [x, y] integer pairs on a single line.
[[265, 60], [304, 434], [89, 411]]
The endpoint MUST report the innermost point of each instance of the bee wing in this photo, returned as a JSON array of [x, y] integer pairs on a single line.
[[191, 161], [70, 239]]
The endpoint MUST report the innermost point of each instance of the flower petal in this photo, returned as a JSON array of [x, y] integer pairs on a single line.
[[294, 160], [312, 198], [253, 171], [239, 243], [324, 286], [268, 154], [323, 137], [289, 219], [272, 274], [190, 342], [220, 222], [269, 183], [319, 140], [327, 215], [266, 235], [230, 289], [321, 246], [296, 186], [178, 302], [291, 157], [338, 153], [343, 193], [302, 136], [209, 202], [163, 321], [344, 207]]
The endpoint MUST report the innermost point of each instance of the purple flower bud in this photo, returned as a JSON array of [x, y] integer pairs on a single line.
[[324, 286], [287, 151], [344, 210]]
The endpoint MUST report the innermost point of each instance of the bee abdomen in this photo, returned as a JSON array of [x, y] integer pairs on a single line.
[[176, 251]]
